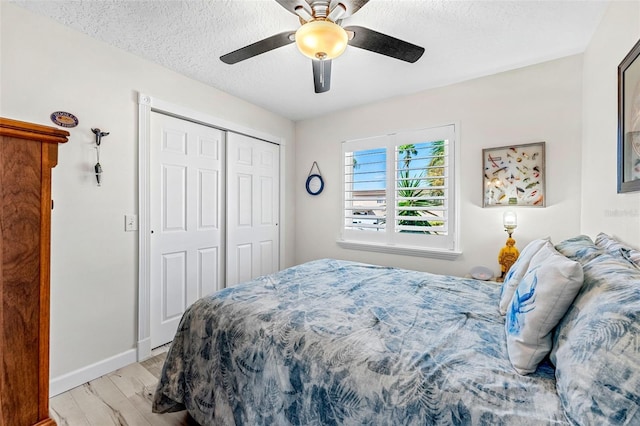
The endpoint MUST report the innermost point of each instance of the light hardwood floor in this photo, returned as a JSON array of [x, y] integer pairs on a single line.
[[121, 398]]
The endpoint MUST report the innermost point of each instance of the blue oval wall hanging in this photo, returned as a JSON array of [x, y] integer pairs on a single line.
[[315, 183], [64, 119]]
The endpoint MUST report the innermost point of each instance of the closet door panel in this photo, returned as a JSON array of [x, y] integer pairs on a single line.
[[253, 199], [186, 243]]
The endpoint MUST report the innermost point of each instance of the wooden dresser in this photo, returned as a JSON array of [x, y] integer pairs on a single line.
[[27, 154]]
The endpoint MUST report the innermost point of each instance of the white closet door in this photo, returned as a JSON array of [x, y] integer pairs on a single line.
[[252, 208], [187, 253]]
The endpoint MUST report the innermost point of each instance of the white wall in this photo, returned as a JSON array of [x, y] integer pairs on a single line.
[[47, 67], [602, 208], [532, 104]]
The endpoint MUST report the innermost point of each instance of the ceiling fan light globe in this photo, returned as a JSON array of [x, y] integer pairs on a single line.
[[321, 40]]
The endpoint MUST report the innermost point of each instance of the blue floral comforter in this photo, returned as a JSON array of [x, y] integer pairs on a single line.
[[334, 342]]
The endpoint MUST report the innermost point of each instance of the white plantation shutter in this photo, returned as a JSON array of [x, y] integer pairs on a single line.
[[421, 188], [365, 192], [399, 190]]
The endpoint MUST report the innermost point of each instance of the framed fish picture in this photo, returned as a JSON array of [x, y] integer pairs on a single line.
[[629, 122], [514, 175]]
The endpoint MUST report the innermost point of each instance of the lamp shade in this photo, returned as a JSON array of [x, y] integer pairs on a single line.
[[510, 220], [321, 40]]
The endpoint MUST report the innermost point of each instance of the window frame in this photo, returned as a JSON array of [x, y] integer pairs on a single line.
[[389, 241]]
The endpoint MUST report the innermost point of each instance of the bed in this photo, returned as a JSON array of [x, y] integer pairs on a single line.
[[333, 342]]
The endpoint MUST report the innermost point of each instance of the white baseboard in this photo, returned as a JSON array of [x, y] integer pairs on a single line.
[[83, 375]]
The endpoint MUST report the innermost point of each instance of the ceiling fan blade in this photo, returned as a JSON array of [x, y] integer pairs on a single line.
[[291, 5], [351, 6], [322, 75], [259, 47], [371, 40]]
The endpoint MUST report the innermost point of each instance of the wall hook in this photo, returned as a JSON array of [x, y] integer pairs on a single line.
[[98, 168]]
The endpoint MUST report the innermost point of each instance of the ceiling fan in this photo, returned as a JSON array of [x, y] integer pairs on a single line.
[[322, 38]]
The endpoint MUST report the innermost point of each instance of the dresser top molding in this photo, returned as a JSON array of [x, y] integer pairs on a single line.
[[24, 130]]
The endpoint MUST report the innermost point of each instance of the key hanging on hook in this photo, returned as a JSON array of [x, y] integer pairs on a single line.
[[98, 168]]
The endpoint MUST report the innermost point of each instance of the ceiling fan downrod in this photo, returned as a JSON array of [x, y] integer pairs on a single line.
[[320, 11]]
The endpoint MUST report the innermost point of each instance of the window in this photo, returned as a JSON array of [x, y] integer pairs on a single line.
[[399, 193]]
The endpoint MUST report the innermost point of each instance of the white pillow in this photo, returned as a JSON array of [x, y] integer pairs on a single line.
[[612, 245], [542, 298], [517, 271]]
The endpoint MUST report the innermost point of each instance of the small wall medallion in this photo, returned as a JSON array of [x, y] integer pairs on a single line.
[[64, 119]]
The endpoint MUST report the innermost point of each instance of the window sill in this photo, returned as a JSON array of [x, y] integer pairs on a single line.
[[433, 253]]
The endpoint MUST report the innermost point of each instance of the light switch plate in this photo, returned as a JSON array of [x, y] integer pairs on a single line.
[[130, 222]]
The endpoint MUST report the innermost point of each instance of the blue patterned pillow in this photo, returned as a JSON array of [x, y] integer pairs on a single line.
[[578, 248], [597, 344], [614, 246]]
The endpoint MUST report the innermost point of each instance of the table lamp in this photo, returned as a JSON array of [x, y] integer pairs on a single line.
[[509, 253]]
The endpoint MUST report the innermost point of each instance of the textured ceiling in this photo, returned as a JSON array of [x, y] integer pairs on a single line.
[[463, 40]]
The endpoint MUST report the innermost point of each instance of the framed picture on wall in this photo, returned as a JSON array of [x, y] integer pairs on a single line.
[[629, 122], [514, 175]]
